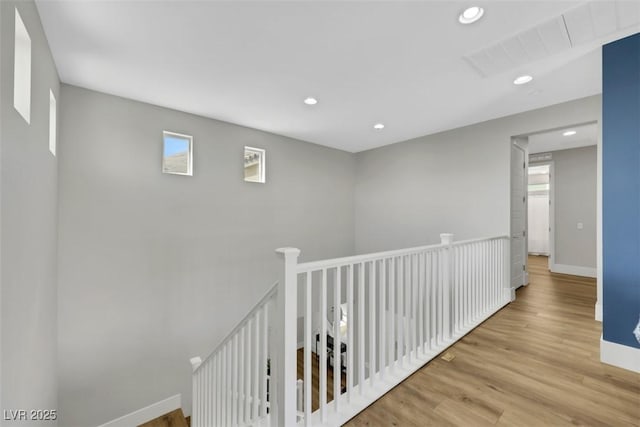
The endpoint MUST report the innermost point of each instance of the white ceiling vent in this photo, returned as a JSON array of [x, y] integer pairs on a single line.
[[582, 24]]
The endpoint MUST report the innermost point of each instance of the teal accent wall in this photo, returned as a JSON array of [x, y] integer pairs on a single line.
[[621, 189]]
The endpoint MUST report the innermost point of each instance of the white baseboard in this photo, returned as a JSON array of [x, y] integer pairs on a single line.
[[598, 311], [574, 270], [148, 413], [620, 355]]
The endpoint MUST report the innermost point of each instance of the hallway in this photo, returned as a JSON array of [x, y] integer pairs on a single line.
[[534, 363]]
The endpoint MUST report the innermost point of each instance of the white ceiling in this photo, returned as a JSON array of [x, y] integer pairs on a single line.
[[555, 140], [253, 63]]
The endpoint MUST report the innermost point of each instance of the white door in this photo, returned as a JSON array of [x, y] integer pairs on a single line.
[[518, 216]]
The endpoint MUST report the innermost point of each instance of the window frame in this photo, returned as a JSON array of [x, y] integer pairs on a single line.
[[22, 88], [189, 172], [53, 123], [262, 164]]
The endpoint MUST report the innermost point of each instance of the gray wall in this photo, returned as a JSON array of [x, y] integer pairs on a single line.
[[155, 269], [28, 227], [575, 201], [455, 181]]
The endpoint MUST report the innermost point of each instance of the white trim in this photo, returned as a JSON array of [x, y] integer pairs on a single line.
[[148, 413], [619, 355], [598, 311], [574, 270]]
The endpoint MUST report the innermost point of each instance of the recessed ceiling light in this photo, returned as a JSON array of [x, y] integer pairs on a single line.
[[310, 101], [522, 80], [378, 126], [569, 133], [471, 15]]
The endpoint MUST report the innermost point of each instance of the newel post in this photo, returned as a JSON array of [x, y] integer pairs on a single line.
[[195, 398], [285, 339], [510, 291], [447, 239]]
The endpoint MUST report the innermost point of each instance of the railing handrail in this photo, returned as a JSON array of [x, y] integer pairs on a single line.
[[270, 293], [356, 259], [481, 239]]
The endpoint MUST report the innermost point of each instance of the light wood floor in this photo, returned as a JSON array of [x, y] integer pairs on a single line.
[[534, 363], [172, 419]]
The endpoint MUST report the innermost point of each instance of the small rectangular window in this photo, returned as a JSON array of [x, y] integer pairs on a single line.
[[177, 154], [22, 70], [254, 164], [52, 123]]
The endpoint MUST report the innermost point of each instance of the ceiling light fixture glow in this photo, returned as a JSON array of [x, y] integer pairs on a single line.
[[569, 133], [471, 15], [310, 101], [378, 126], [522, 79]]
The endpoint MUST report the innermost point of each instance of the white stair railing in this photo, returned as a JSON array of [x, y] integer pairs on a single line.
[[243, 381], [402, 308], [386, 314]]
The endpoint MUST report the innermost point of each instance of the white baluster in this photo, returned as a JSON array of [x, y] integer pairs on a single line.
[[391, 341], [401, 312], [407, 307], [421, 304], [337, 343], [371, 289], [247, 376], [323, 347], [225, 385], [234, 381], [476, 281], [256, 367], [350, 330], [361, 328], [458, 287], [467, 286], [218, 410], [411, 328], [483, 278], [307, 350], [209, 393], [382, 346], [415, 278], [241, 371], [428, 299], [279, 385], [494, 276]]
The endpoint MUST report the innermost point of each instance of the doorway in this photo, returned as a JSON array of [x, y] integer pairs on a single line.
[[540, 215]]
